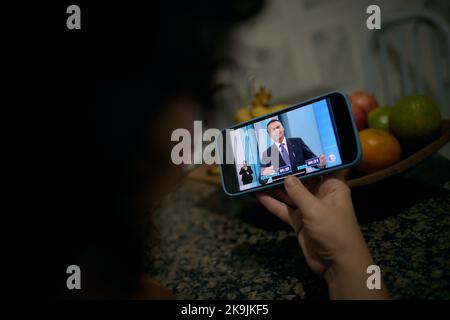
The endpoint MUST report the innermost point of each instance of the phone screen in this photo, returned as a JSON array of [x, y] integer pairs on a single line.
[[299, 141]]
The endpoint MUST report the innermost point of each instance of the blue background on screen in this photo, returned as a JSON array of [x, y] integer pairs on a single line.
[[301, 123], [327, 135]]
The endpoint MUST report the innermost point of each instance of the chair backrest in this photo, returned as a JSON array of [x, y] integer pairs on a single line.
[[410, 54]]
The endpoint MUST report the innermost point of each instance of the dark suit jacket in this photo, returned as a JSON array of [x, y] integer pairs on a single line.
[[299, 152], [246, 178]]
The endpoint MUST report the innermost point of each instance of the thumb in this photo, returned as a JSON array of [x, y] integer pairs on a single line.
[[299, 194]]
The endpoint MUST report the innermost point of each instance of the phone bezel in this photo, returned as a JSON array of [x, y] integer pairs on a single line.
[[350, 152]]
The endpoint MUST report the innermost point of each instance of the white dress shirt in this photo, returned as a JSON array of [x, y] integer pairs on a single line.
[[285, 145]]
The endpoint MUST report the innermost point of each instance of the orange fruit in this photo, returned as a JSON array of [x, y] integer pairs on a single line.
[[380, 150]]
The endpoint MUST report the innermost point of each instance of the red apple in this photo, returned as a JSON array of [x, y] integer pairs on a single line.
[[364, 100], [360, 117]]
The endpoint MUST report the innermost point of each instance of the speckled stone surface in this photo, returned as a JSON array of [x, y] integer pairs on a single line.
[[214, 247]]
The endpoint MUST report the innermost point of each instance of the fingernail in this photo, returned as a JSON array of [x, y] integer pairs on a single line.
[[291, 181]]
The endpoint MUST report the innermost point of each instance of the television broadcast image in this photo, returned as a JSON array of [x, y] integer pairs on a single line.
[[299, 141]]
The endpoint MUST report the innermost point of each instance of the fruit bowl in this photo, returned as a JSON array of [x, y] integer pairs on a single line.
[[406, 163], [204, 172]]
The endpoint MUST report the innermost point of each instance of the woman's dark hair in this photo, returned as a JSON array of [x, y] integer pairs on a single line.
[[124, 64]]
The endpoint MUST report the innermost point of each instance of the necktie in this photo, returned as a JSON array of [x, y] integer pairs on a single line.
[[285, 155]]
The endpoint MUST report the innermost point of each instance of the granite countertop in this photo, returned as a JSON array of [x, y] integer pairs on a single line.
[[215, 247]]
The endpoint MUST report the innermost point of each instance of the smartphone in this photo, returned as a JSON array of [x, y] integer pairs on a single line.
[[306, 139]]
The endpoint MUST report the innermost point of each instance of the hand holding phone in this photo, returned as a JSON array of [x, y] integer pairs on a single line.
[[309, 138], [322, 216]]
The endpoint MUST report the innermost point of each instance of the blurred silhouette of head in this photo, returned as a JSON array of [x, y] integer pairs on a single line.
[[132, 73]]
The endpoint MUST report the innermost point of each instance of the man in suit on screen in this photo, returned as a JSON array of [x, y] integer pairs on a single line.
[[292, 152]]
